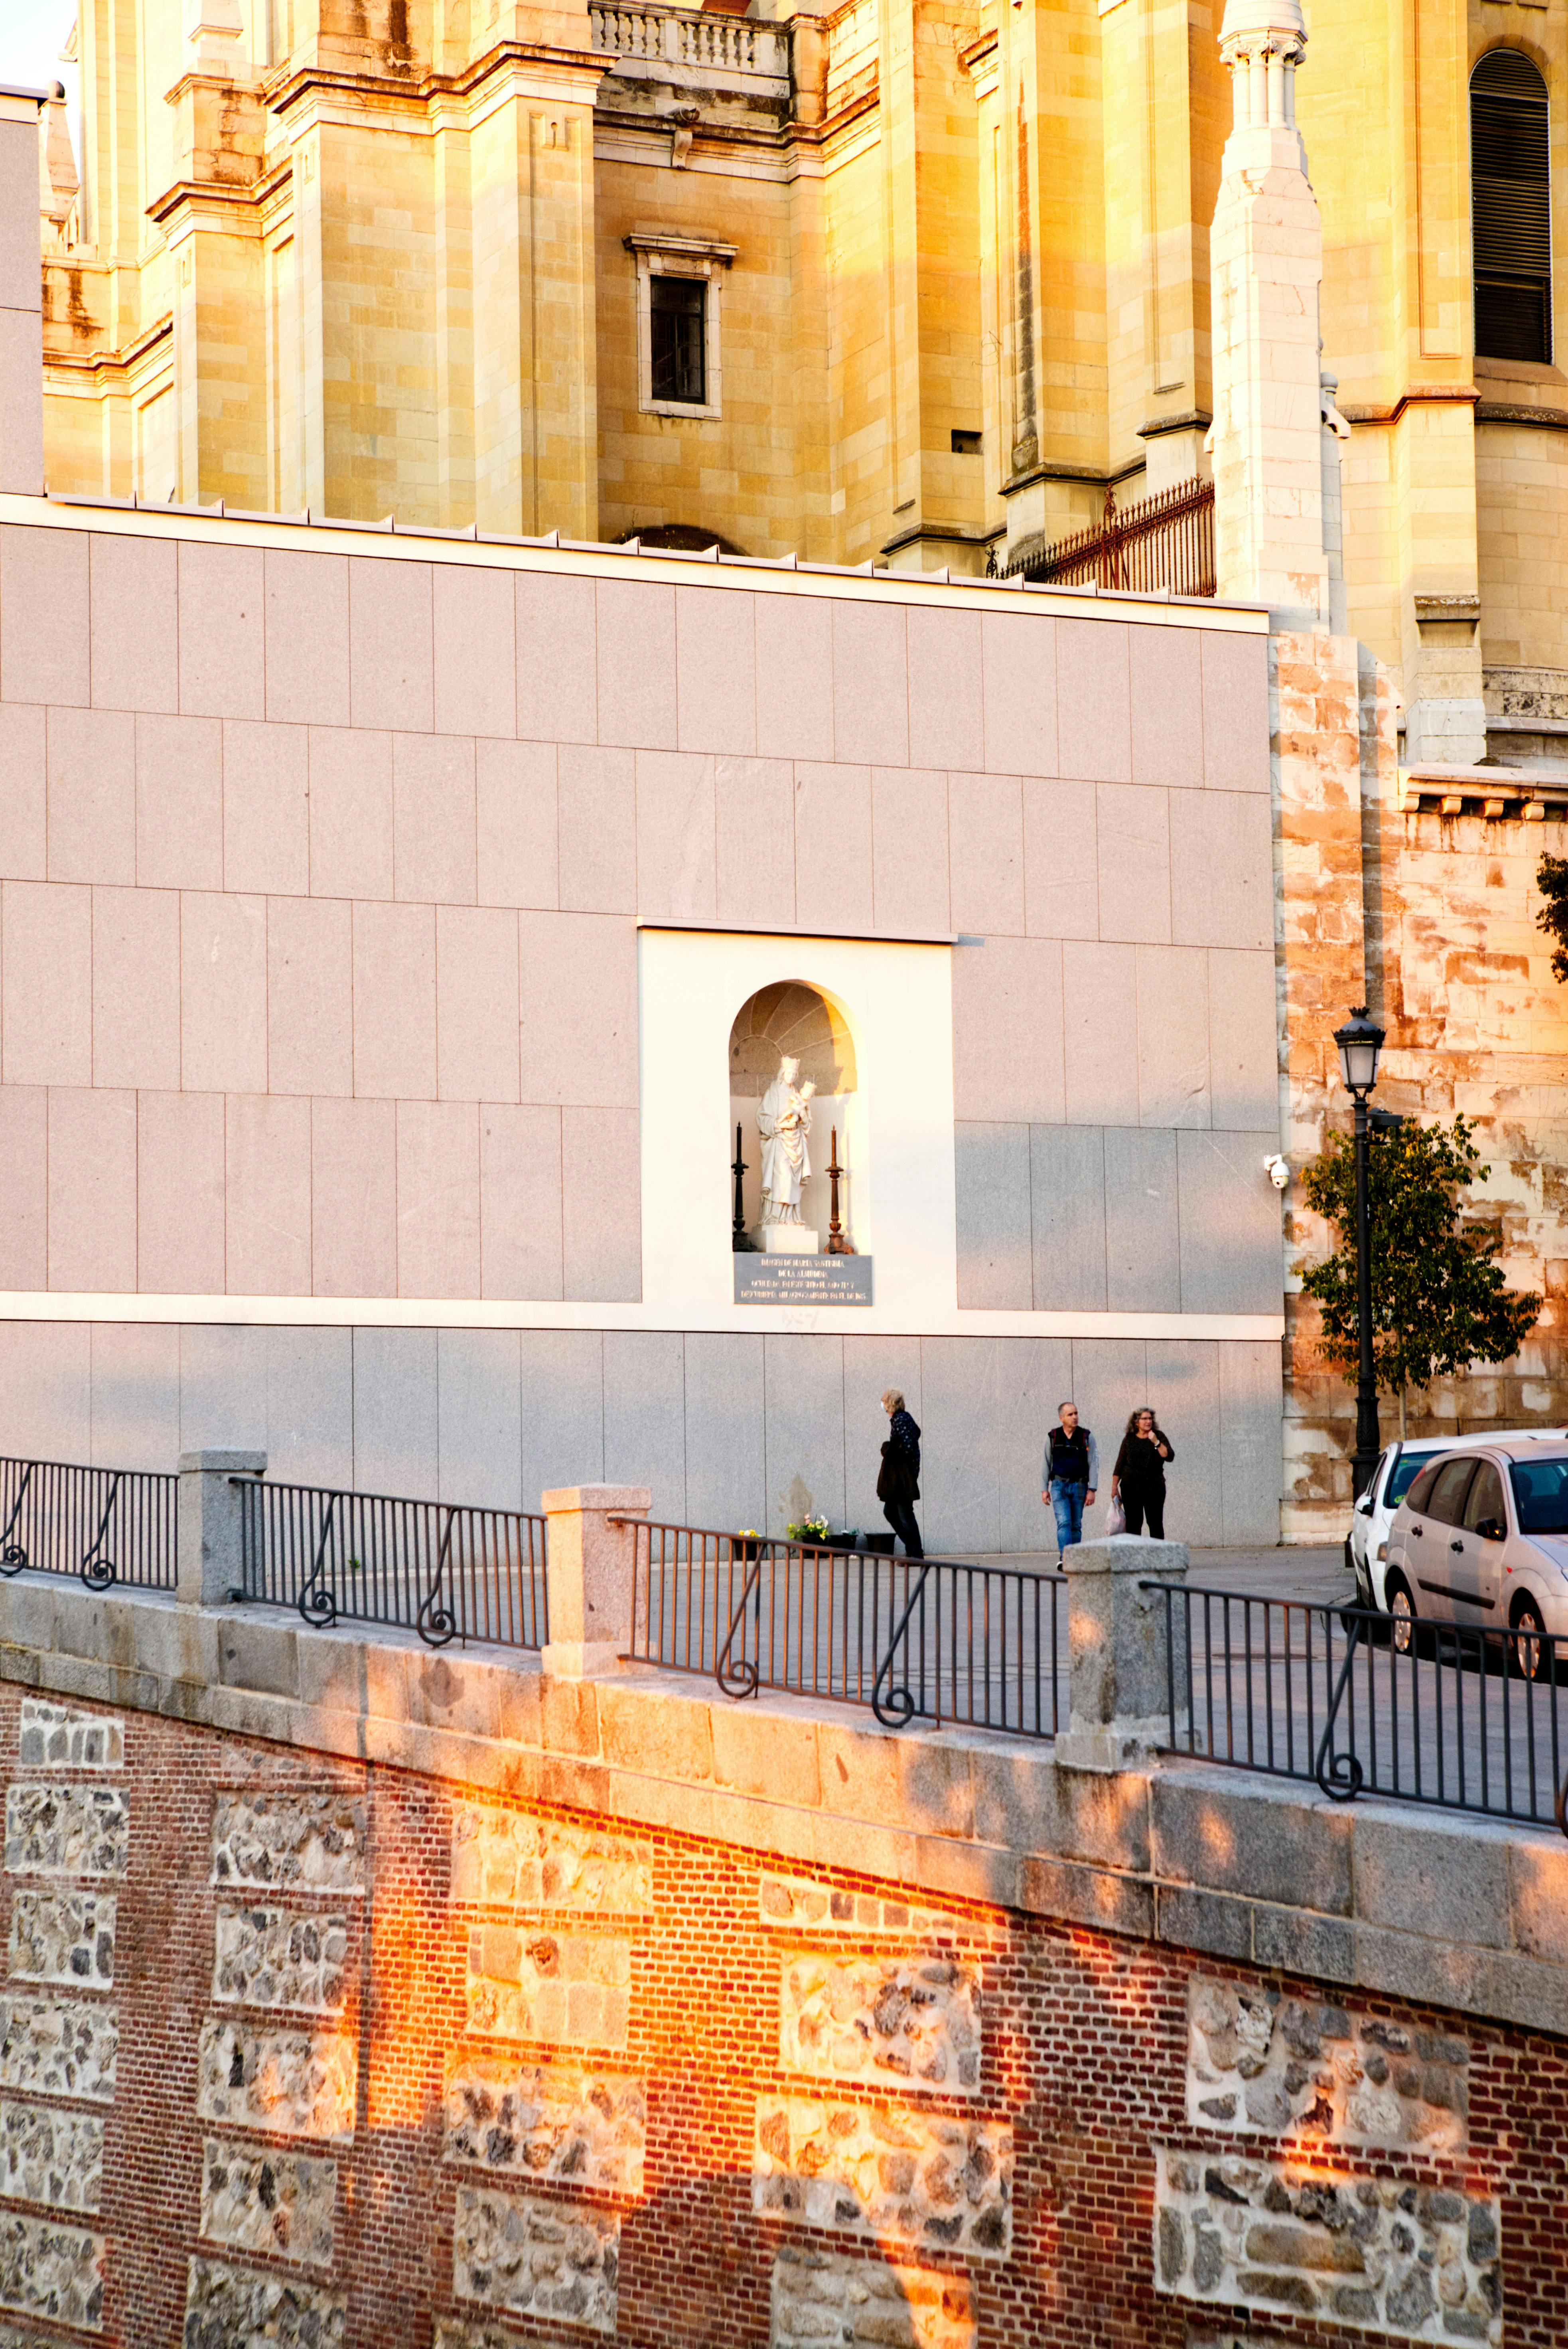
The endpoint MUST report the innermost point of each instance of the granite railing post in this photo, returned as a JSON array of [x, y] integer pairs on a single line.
[[208, 1521], [1127, 1650], [590, 1570]]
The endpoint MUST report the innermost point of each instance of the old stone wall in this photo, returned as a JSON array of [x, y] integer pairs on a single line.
[[833, 2118]]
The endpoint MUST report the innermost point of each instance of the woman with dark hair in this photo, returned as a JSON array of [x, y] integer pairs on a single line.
[[1138, 1480]]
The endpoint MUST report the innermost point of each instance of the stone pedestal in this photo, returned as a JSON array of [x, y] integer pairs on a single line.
[[210, 1571], [790, 1239], [1123, 1642], [589, 1572]]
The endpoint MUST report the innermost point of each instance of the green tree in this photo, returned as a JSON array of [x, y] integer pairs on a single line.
[[1439, 1302], [1552, 880]]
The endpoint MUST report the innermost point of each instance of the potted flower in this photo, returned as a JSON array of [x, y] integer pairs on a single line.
[[810, 1530], [746, 1546]]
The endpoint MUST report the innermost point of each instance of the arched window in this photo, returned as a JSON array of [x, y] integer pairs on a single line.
[[1511, 183]]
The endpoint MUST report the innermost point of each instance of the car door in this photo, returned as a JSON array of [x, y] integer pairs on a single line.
[[1478, 1568], [1437, 1542]]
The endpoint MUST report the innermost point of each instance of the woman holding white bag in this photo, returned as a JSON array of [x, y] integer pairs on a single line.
[[1138, 1480]]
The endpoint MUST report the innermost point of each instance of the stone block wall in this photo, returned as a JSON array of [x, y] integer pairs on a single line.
[[266, 2109]]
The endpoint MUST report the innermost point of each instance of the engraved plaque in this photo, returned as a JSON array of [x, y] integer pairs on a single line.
[[802, 1279]]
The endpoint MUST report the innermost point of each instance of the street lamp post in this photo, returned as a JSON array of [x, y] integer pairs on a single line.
[[1360, 1041]]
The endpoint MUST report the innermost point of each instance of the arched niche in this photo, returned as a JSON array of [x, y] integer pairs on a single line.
[[792, 1019]]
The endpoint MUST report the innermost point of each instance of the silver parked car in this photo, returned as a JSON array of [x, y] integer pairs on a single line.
[[1482, 1539], [1366, 1543]]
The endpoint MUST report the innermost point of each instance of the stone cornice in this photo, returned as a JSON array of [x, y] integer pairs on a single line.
[[315, 81], [1417, 395], [1541, 420]]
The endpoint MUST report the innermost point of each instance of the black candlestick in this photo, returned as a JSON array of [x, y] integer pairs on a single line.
[[740, 1243]]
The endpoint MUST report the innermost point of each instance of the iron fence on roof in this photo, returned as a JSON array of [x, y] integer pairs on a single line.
[[1166, 540], [106, 1524]]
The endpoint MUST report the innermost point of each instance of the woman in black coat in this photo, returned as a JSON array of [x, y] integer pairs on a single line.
[[1138, 1477], [897, 1486]]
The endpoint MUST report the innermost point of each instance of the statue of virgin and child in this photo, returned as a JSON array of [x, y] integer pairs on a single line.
[[784, 1121]]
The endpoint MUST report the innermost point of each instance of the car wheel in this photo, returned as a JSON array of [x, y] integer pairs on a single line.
[[1530, 1650], [1401, 1612]]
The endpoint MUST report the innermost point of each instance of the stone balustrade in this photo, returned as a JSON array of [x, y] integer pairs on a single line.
[[685, 43]]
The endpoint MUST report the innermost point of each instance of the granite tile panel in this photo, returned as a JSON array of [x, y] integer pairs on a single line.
[[994, 1241], [1062, 884], [437, 1199], [634, 633], [726, 1482], [795, 677], [135, 1395], [833, 848], [1167, 707], [947, 688], [178, 802], [1235, 690], [310, 1406], [91, 756], [1142, 1238], [134, 621], [222, 658], [391, 644], [644, 1417], [870, 685], [1221, 872], [477, 1003], [910, 851], [92, 1189], [1182, 1388], [985, 817], [562, 1409], [45, 1386], [180, 1193], [1018, 664], [804, 1429], [351, 828], [310, 995], [1007, 1031], [267, 1195], [516, 796], [597, 798], [1132, 826], [872, 1365], [1232, 1244], [579, 1013], [716, 670], [266, 808], [1174, 1013], [394, 1002], [557, 659], [479, 1418], [45, 655], [397, 1408], [353, 1199], [222, 993], [475, 651], [1099, 1029], [135, 987], [222, 1386], [1251, 1416], [24, 1186], [520, 1203], [677, 847], [23, 792], [1094, 708], [434, 819], [1243, 1047], [46, 983], [602, 1249], [753, 821], [308, 637], [1066, 1176]]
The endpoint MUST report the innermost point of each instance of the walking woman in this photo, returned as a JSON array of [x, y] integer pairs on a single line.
[[897, 1486], [1138, 1480]]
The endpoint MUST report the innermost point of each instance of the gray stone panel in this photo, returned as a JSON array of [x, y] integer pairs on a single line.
[[1184, 1391], [994, 1236], [583, 2129], [53, 1735], [47, 2270], [280, 1957], [1033, 1376], [529, 2257], [644, 1417], [55, 2157], [1232, 1250], [1250, 1461], [1323, 2074], [278, 1841], [235, 2308], [222, 1388], [906, 2178], [480, 1417], [1142, 1238], [67, 1831], [726, 1478], [1099, 1027], [63, 1937], [562, 1411], [1067, 1171], [1007, 1030], [257, 2199], [1244, 1039], [396, 1441], [310, 1406], [286, 2083], [912, 2023], [958, 1447], [505, 1860], [59, 2047], [805, 1429]]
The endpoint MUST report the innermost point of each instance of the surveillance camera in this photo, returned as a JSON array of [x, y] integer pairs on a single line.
[[1278, 1172]]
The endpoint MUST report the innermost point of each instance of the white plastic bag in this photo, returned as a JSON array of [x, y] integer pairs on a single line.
[[1115, 1517]]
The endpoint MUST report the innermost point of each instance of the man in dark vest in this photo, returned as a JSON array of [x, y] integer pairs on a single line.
[[1070, 1475]]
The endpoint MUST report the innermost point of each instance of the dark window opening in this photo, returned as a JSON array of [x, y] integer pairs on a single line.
[[1510, 197], [678, 308], [966, 444]]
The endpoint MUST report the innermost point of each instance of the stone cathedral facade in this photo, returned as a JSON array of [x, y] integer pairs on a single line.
[[917, 287]]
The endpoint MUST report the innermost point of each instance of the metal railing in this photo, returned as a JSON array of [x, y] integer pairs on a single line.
[[1164, 540], [106, 1524], [1448, 1715], [932, 1640], [447, 1571]]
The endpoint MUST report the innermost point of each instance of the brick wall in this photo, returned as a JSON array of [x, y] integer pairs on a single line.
[[301, 2051]]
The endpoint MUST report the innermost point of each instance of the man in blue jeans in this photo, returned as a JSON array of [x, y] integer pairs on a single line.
[[1070, 1475]]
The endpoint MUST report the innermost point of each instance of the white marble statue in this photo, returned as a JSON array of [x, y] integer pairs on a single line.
[[784, 1120]]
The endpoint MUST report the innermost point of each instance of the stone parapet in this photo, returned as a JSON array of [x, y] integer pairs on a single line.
[[1458, 1912]]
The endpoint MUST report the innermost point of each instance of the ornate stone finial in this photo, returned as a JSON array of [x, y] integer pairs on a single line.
[[1263, 42]]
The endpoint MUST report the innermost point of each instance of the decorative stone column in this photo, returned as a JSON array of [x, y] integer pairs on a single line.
[[21, 296], [1124, 1645], [209, 1519], [590, 1569], [1266, 270]]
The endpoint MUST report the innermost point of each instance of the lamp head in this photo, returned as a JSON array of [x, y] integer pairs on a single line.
[[1360, 1041]]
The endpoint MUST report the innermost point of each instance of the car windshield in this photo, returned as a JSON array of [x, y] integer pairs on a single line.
[[1541, 1495], [1406, 1470]]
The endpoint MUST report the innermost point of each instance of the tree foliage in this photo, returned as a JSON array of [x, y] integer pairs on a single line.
[[1552, 880], [1439, 1302]]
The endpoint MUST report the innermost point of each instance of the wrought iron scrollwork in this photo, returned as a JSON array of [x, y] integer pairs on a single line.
[[1340, 1775], [12, 1555], [737, 1675], [435, 1623], [895, 1707], [318, 1602], [97, 1569]]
